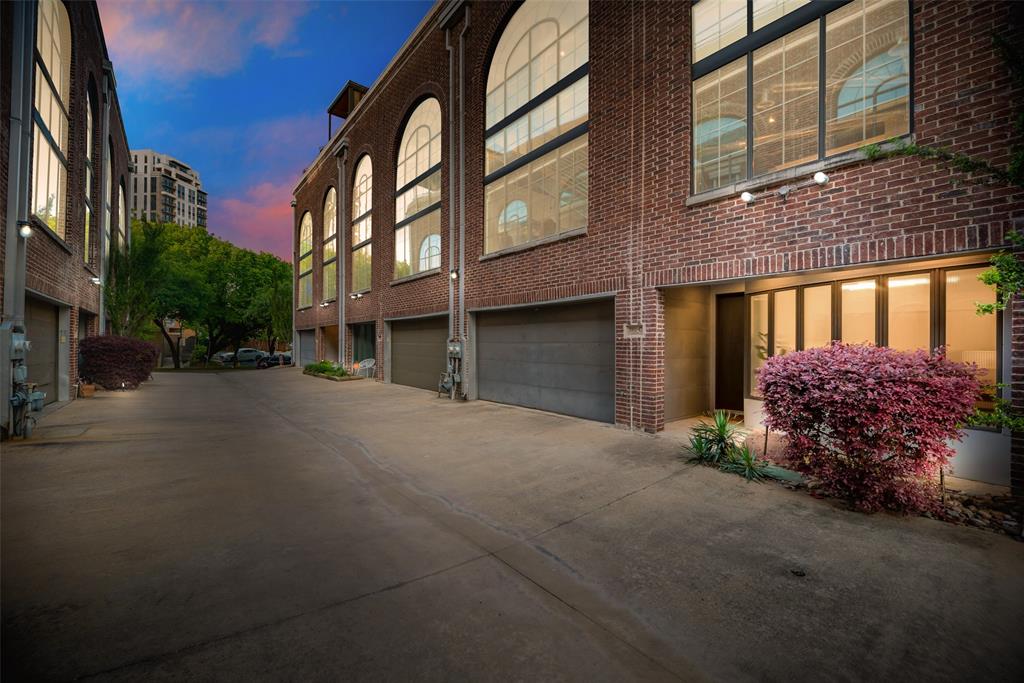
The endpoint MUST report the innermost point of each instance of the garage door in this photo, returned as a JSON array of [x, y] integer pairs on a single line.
[[41, 326], [418, 351], [307, 347], [557, 358]]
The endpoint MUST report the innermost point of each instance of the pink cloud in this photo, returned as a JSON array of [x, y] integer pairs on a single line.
[[174, 40], [259, 219]]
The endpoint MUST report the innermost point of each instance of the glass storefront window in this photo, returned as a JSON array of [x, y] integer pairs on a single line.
[[817, 316], [858, 312], [758, 337], [909, 315], [785, 322]]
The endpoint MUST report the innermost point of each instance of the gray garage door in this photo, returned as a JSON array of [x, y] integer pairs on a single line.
[[557, 358], [307, 347], [41, 325], [418, 351]]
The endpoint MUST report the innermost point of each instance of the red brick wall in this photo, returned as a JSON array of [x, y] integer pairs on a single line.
[[641, 234]]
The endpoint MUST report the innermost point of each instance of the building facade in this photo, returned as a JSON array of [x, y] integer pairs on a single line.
[[619, 210], [63, 185], [165, 190]]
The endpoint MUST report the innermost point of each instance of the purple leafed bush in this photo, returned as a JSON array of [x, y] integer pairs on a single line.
[[116, 362], [871, 424]]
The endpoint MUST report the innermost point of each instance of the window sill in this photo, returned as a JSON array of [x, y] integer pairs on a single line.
[[304, 308], [534, 244], [852, 156], [40, 226], [92, 271], [361, 291], [416, 276]]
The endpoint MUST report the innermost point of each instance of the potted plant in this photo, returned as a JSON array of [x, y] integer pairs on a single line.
[[86, 389]]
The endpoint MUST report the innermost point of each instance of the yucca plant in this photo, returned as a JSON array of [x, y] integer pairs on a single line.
[[744, 462], [711, 442]]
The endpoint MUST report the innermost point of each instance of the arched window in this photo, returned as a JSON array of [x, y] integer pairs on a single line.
[[122, 217], [90, 120], [537, 120], [305, 269], [418, 188], [50, 145], [108, 200], [362, 226], [430, 252], [330, 245]]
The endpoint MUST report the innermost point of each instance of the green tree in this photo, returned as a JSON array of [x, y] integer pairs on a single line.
[[135, 269]]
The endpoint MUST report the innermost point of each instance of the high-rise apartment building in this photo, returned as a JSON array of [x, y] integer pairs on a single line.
[[166, 190]]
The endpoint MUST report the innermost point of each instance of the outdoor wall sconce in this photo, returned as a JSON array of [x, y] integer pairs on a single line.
[[818, 179], [25, 230], [454, 274], [95, 280], [355, 296]]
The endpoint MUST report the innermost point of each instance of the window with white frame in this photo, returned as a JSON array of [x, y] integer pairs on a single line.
[[330, 246], [362, 225], [305, 269], [50, 114], [779, 83], [537, 116], [418, 189]]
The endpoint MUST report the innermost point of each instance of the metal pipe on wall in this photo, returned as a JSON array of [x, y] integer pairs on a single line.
[[342, 248], [451, 185], [105, 227]]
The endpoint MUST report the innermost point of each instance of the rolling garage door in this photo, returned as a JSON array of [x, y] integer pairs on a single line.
[[307, 347], [557, 358], [41, 325], [418, 351]]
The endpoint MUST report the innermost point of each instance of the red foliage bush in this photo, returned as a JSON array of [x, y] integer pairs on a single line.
[[116, 362], [871, 424]]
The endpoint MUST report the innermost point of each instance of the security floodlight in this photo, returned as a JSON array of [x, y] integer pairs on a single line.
[[25, 230], [96, 280], [747, 197], [820, 178], [454, 274]]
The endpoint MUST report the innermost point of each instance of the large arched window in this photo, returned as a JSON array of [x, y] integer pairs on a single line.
[[108, 200], [90, 120], [362, 225], [52, 84], [330, 245], [305, 269], [537, 118], [418, 188], [122, 217]]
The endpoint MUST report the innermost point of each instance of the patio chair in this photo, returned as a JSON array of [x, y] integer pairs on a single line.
[[365, 368]]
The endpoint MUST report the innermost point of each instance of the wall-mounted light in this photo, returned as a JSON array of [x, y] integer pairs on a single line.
[[95, 280], [820, 178], [747, 197], [25, 230], [454, 275]]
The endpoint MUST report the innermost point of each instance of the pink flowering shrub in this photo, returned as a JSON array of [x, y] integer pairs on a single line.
[[871, 424]]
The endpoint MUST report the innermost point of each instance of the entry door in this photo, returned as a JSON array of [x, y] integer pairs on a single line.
[[307, 347], [364, 341], [729, 352], [41, 329]]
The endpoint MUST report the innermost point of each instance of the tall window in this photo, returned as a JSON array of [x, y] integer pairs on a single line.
[[918, 310], [537, 121], [362, 226], [305, 270], [50, 144], [108, 199], [781, 96], [122, 218], [418, 189], [89, 174], [330, 245]]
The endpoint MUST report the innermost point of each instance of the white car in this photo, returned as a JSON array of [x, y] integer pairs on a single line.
[[247, 356]]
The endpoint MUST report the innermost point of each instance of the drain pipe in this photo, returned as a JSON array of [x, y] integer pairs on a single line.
[[19, 156], [295, 284], [105, 201], [342, 248], [451, 184], [463, 327]]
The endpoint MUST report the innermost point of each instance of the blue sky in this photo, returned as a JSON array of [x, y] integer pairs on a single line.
[[239, 90]]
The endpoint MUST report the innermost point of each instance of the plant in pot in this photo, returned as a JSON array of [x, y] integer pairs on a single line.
[[86, 388]]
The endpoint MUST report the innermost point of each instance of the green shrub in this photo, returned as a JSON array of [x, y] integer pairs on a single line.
[[326, 367], [712, 442], [744, 462]]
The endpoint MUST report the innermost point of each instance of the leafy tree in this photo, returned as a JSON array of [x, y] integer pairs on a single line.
[[135, 269]]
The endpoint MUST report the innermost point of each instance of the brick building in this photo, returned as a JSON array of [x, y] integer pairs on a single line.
[[622, 209], [63, 186]]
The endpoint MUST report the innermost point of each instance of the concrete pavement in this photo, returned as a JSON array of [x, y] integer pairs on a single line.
[[269, 525]]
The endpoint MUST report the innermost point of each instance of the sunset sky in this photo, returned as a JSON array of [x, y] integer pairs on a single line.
[[239, 90]]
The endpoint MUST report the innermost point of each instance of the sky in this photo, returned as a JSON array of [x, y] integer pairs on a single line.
[[239, 90]]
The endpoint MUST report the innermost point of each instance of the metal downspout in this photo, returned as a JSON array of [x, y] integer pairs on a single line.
[[18, 167], [342, 249], [451, 184], [463, 327], [295, 286], [105, 201]]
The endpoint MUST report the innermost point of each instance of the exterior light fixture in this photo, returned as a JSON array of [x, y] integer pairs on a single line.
[[454, 274], [747, 197], [352, 296], [25, 230], [820, 178], [96, 280]]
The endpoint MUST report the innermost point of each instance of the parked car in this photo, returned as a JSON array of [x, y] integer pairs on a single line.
[[223, 357], [274, 360], [247, 357]]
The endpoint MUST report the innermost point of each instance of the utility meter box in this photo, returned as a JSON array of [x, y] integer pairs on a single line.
[[454, 348], [19, 346]]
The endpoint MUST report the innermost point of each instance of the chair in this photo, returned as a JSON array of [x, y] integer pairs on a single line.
[[365, 368]]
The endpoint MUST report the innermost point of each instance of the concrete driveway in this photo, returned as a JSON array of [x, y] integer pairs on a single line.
[[269, 525]]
